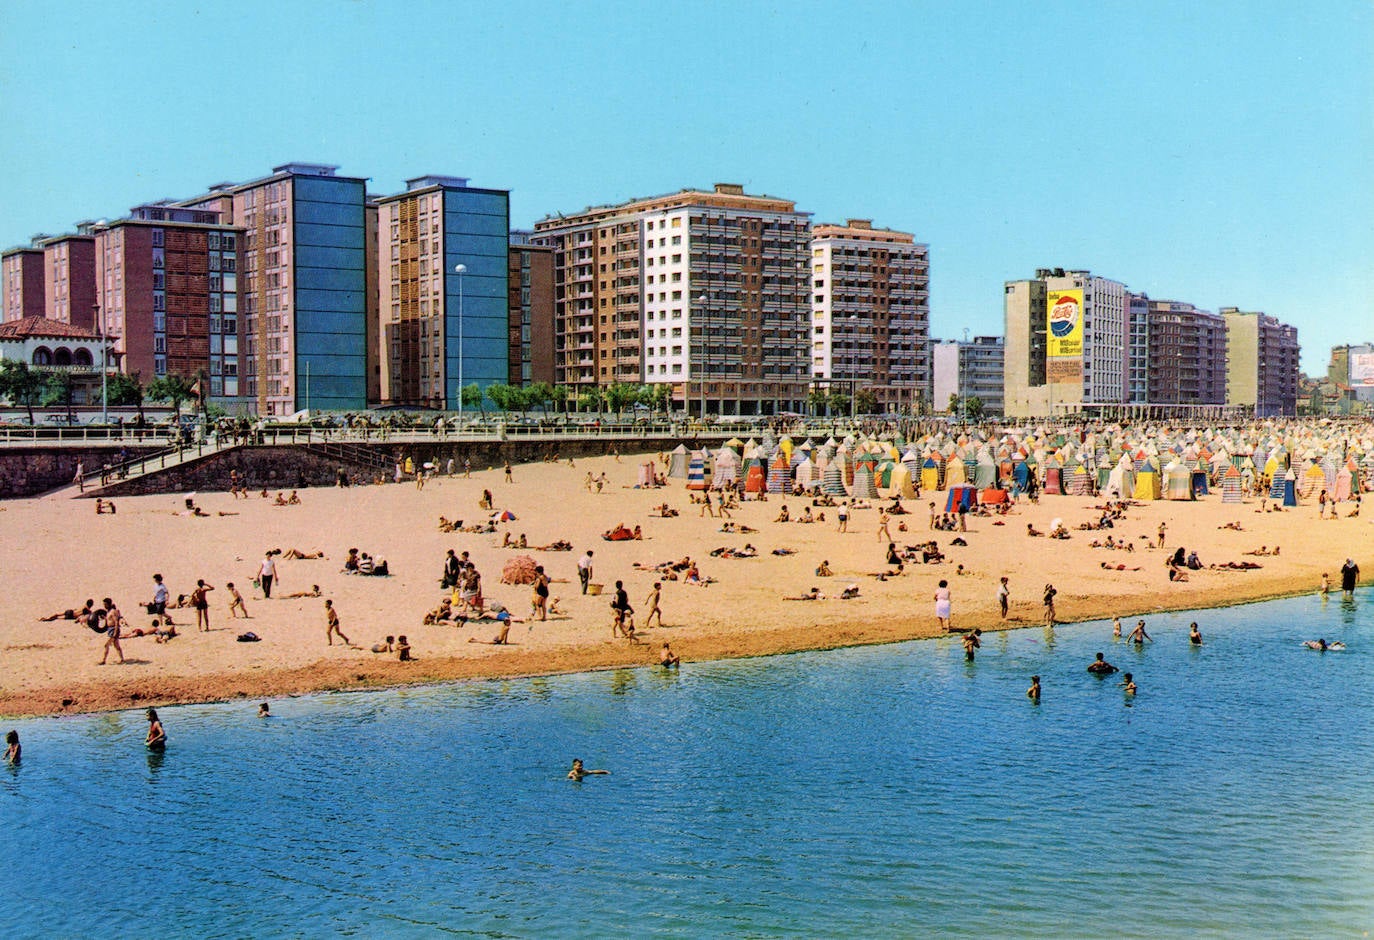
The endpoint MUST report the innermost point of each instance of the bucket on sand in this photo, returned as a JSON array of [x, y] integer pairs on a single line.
[[594, 589]]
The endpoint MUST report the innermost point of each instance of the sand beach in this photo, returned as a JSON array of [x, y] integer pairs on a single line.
[[61, 553]]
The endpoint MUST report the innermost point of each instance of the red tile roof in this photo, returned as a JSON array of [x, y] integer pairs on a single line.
[[42, 326]]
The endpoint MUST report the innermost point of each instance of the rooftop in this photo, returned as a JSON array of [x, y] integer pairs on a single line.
[[42, 326]]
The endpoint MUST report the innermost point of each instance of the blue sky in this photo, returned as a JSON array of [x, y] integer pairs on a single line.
[[1217, 152]]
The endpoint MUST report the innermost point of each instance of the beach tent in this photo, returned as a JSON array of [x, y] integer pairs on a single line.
[[696, 471], [646, 474], [863, 482], [985, 472], [726, 469], [804, 474], [1178, 481], [1345, 480], [1079, 482], [961, 494], [1230, 486], [1020, 473], [930, 474], [1312, 481], [1276, 488], [882, 476], [755, 479], [779, 473], [1054, 477], [1147, 483], [833, 482], [955, 471], [677, 462], [899, 482], [912, 460], [1199, 481]]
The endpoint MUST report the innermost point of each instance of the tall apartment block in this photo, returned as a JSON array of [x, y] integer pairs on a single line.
[[305, 290], [1066, 343], [21, 270], [69, 278], [1138, 348], [442, 329], [981, 367], [1186, 355], [1262, 363], [167, 281], [703, 291], [530, 309], [870, 313]]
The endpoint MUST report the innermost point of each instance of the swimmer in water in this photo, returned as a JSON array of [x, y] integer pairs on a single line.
[[1033, 693], [1127, 683], [1116, 628], [971, 644], [1322, 646], [1138, 636], [1194, 634], [264, 711], [578, 771], [1100, 666]]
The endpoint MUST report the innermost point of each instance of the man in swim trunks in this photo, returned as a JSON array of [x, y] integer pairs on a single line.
[[1100, 666]]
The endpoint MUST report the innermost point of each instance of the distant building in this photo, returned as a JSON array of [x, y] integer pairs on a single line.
[[1350, 376], [706, 292], [1066, 343], [442, 329], [870, 313], [1186, 362], [1138, 348], [69, 278], [1262, 363], [167, 286], [945, 375], [21, 270], [981, 367], [305, 286], [52, 345], [531, 311]]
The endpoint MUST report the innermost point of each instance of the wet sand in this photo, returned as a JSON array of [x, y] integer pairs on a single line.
[[62, 553]]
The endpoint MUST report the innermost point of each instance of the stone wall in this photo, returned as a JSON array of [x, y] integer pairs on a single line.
[[29, 471]]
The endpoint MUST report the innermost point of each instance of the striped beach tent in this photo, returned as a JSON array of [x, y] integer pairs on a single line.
[[832, 483], [779, 473], [696, 471], [1230, 486], [804, 474], [863, 482], [726, 469], [755, 477], [1276, 486], [1079, 482], [912, 460], [1312, 481]]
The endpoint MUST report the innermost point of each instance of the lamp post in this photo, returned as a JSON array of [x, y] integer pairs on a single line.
[[460, 270], [701, 299], [963, 393]]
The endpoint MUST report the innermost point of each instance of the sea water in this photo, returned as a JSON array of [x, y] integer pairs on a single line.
[[881, 791]]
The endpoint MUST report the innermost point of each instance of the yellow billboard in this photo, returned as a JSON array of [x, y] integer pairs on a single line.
[[1064, 332]]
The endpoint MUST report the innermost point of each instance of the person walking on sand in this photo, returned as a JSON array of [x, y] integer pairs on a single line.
[[267, 573], [80, 478], [1003, 596], [1050, 593], [201, 603], [331, 619], [236, 605], [843, 514], [1161, 535], [883, 534], [584, 570], [114, 629], [651, 602], [942, 606], [539, 605], [509, 478]]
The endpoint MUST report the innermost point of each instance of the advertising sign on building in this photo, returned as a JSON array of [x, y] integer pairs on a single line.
[[1064, 336], [1362, 370]]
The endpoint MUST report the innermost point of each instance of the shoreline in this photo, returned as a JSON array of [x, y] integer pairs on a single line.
[[66, 554], [385, 675]]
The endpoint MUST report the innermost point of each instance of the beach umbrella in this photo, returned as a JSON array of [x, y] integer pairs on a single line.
[[519, 570]]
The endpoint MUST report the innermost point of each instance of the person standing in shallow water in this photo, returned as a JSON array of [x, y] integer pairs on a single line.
[[1350, 575], [12, 749], [943, 606], [157, 736], [1033, 693]]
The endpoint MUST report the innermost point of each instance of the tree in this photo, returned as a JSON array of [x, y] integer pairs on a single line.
[[561, 394], [865, 402], [618, 395], [818, 399], [590, 400], [20, 384], [973, 407], [471, 396], [122, 389], [173, 388], [660, 396], [839, 403], [503, 396], [58, 387], [539, 394]]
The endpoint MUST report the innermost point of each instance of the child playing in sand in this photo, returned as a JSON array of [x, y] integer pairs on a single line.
[[236, 605]]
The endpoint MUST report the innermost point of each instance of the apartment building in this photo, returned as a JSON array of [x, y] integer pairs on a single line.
[[305, 286], [1066, 343], [21, 271], [981, 367], [69, 277], [167, 284], [703, 291], [443, 285], [870, 313], [1186, 360], [1262, 363], [1138, 348], [531, 311]]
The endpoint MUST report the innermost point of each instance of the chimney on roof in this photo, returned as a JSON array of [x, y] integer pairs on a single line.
[[860, 223], [729, 189]]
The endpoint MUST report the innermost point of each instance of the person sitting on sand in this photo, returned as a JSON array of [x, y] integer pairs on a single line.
[[351, 562], [849, 592], [1100, 666], [1032, 531], [823, 570], [783, 515], [578, 771], [486, 501], [620, 533], [280, 501], [403, 648]]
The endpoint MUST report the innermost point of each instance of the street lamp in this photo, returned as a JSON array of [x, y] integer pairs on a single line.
[[963, 392], [104, 368], [701, 299], [460, 270]]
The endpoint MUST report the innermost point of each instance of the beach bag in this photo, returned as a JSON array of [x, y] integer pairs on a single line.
[[249, 637]]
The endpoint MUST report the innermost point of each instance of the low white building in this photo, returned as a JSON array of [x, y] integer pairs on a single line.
[[51, 345]]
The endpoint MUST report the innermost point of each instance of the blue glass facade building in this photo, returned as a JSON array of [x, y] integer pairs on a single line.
[[476, 235]]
